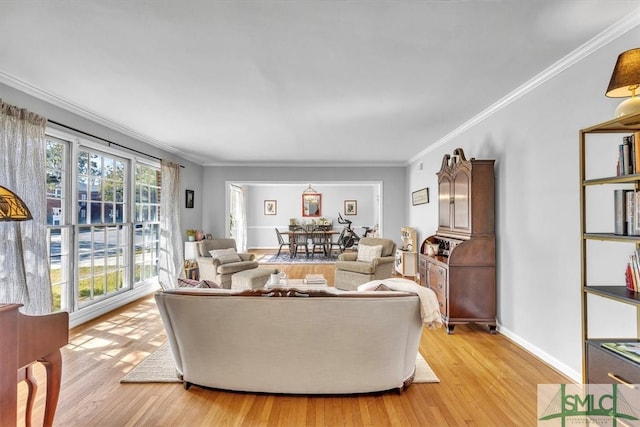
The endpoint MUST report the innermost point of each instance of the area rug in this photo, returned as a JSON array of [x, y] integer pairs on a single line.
[[285, 258], [424, 373], [158, 367]]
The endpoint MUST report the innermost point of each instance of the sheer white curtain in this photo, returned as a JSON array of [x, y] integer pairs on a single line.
[[24, 262], [170, 257], [238, 206]]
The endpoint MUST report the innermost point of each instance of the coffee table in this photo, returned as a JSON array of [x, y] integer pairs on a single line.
[[297, 283]]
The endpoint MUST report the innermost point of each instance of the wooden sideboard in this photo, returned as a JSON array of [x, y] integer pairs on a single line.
[[25, 340], [462, 272]]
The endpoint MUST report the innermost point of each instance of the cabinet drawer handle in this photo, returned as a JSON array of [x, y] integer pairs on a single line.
[[620, 380]]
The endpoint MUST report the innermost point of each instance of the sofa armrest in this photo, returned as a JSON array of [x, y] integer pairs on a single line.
[[207, 267], [246, 256], [349, 256], [383, 260]]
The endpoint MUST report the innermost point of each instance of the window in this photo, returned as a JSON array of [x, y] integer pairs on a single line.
[[103, 235], [59, 230], [147, 222], [103, 222]]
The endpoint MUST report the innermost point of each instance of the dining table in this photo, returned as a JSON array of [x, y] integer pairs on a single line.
[[291, 233]]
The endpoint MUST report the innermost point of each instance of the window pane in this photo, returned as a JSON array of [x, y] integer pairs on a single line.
[[147, 211], [95, 167]]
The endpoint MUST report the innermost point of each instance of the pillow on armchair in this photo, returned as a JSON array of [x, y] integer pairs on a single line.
[[192, 283], [368, 253], [225, 256]]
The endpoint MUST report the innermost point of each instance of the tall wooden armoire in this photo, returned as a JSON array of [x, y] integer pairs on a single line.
[[462, 272]]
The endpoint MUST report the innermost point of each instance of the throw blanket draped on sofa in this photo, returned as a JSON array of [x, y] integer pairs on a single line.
[[429, 307]]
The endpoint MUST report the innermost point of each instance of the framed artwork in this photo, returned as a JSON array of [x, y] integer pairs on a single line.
[[351, 207], [189, 197], [311, 204], [420, 197], [270, 207]]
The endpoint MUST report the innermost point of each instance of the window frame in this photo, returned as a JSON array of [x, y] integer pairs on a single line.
[[70, 300]]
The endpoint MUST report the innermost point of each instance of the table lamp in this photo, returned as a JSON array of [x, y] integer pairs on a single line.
[[625, 81], [12, 208]]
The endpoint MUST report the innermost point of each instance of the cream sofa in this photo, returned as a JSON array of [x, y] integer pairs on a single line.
[[313, 342], [212, 269]]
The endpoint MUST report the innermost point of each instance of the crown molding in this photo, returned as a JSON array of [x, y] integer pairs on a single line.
[[69, 106], [616, 30], [293, 164]]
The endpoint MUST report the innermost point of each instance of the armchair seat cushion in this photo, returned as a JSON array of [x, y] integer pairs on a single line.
[[356, 267], [235, 267]]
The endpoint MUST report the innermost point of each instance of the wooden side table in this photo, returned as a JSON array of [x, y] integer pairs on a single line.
[[191, 270], [24, 340]]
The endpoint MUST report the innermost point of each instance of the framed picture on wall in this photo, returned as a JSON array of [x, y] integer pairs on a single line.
[[420, 197], [189, 197], [351, 207], [270, 207]]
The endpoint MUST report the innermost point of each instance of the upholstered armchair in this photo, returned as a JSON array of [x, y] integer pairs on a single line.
[[373, 261], [221, 268]]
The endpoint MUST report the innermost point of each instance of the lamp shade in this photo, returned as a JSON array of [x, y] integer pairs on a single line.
[[190, 250], [626, 75], [12, 208]]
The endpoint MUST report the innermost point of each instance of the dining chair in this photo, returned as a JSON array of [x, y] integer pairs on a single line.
[[282, 242], [319, 240], [300, 239], [337, 243]]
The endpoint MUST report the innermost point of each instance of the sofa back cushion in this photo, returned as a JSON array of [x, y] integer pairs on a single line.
[[204, 246]]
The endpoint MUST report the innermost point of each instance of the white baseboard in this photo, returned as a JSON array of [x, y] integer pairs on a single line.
[[112, 303], [544, 356]]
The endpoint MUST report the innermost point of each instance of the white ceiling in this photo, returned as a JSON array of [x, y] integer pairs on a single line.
[[281, 82]]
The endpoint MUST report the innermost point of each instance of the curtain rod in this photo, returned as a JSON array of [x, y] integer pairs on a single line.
[[105, 140]]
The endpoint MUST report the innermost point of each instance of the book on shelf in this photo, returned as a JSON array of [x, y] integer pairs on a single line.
[[627, 212], [620, 200], [632, 272], [628, 155], [631, 211], [630, 350]]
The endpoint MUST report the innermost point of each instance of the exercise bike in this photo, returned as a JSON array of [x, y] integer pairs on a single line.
[[349, 238]]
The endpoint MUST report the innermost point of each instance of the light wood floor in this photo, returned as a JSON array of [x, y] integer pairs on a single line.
[[485, 380]]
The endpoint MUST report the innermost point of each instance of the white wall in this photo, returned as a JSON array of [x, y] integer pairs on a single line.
[[535, 143], [395, 199], [261, 233]]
